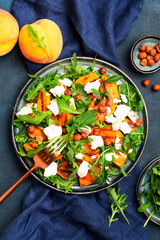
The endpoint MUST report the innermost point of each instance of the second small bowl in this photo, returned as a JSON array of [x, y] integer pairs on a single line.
[[148, 40]]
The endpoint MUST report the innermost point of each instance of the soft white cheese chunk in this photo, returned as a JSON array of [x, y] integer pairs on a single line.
[[115, 122], [122, 111], [58, 90], [79, 156], [108, 110], [66, 82], [72, 102], [52, 131], [97, 141], [85, 129], [26, 109], [117, 143], [51, 170], [119, 82], [83, 169], [125, 128], [124, 99], [93, 157], [115, 100], [133, 116], [54, 107], [89, 86], [110, 156], [130, 150]]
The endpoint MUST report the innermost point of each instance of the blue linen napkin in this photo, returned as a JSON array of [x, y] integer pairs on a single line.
[[88, 28]]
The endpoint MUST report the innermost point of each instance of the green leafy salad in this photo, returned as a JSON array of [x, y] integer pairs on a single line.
[[95, 113]]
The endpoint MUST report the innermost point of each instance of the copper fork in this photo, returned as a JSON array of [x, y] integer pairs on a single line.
[[41, 160]]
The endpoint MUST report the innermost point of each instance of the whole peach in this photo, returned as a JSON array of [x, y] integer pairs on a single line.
[[49, 33], [9, 31]]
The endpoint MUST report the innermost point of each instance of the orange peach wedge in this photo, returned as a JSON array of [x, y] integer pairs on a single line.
[[41, 41], [9, 31]]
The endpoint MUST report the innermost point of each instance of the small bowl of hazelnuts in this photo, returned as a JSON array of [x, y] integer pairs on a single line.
[[145, 54]]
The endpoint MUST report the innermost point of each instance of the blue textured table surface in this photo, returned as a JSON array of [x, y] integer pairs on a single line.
[[13, 76]]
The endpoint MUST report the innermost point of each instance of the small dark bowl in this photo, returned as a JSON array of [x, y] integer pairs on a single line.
[[150, 40], [144, 176]]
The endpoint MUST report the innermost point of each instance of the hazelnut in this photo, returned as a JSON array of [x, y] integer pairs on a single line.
[[78, 97], [148, 48], [103, 102], [94, 152], [68, 92], [142, 55], [146, 82], [31, 114], [31, 129], [96, 131], [142, 48], [156, 87], [156, 57], [77, 137], [64, 130], [91, 97], [151, 62], [139, 122], [102, 109], [107, 142], [152, 52], [158, 48], [143, 62], [103, 70], [149, 57], [84, 135], [39, 138]]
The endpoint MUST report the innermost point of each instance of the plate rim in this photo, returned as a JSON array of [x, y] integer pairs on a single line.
[[141, 176], [131, 54], [14, 112]]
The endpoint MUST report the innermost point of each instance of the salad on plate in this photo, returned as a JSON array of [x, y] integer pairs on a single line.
[[95, 113]]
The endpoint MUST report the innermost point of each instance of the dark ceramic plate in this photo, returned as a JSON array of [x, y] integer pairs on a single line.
[[86, 62], [144, 176], [146, 40]]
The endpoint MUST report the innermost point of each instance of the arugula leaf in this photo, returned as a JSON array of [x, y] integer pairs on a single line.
[[114, 78], [134, 99], [66, 106], [34, 35], [117, 205], [22, 136]]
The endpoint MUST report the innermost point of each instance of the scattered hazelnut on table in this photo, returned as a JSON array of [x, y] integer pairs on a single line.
[[156, 57], [103, 70], [142, 48], [146, 82], [156, 87]]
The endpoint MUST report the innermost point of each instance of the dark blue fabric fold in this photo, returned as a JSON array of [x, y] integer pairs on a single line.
[[88, 28]]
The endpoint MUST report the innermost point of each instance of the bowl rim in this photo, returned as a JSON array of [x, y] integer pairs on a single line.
[[141, 176], [131, 54], [14, 111]]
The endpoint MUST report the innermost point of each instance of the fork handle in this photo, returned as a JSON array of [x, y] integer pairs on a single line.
[[16, 184]]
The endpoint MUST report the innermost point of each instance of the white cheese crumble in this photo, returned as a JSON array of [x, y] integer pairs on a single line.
[[119, 82], [89, 86], [122, 111], [124, 99], [115, 122], [93, 156], [108, 110], [110, 156], [72, 102], [52, 131], [54, 107], [66, 82], [115, 100], [97, 141], [79, 156], [26, 109], [133, 116], [83, 169], [85, 129], [125, 128], [130, 150], [58, 90], [117, 143], [51, 170]]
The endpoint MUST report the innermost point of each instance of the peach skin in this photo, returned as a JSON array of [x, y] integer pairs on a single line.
[[9, 32], [41, 41]]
